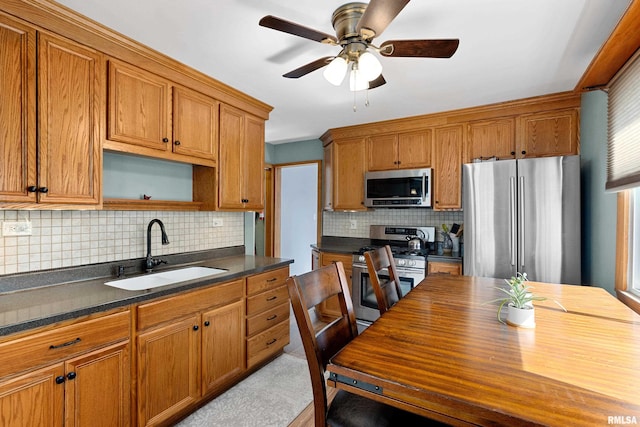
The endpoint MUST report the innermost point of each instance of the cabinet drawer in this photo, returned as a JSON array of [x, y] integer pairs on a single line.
[[267, 300], [41, 348], [175, 307], [267, 280], [267, 319], [267, 343]]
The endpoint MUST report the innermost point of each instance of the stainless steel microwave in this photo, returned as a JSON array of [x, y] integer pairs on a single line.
[[409, 188]]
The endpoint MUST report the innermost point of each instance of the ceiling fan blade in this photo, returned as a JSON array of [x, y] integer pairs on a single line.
[[279, 24], [378, 15], [379, 81], [306, 69], [444, 48]]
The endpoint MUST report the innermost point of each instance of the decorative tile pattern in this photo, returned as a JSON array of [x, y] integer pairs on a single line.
[[72, 238]]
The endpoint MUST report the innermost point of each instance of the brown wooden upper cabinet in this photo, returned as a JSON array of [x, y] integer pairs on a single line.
[[447, 169], [62, 166], [492, 138], [150, 115], [407, 150], [349, 166], [551, 133], [241, 161]]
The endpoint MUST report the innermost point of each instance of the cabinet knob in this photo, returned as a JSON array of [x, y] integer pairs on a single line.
[[177, 143], [207, 323], [195, 327], [513, 153], [59, 379], [71, 375], [32, 189], [524, 152], [43, 190], [165, 139]]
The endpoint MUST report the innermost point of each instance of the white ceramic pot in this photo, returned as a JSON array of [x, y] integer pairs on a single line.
[[522, 317]]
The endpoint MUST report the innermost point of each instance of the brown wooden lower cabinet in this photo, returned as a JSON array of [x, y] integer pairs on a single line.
[[452, 268], [76, 387], [330, 308]]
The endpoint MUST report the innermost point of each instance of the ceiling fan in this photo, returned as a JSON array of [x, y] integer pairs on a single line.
[[356, 25]]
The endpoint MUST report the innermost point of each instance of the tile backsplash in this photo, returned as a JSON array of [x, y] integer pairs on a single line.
[[73, 238], [356, 224]]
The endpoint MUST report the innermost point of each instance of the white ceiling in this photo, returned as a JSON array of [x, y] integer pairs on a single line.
[[509, 49]]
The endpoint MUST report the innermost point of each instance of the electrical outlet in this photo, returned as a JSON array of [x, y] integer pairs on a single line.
[[217, 222], [353, 224], [16, 228]]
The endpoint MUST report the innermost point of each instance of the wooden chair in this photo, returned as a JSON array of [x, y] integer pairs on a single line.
[[387, 292], [347, 409]]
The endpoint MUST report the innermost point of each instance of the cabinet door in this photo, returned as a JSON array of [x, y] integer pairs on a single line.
[[348, 174], [253, 163], [327, 184], [230, 185], [493, 138], [223, 349], [70, 85], [17, 111], [195, 124], [447, 167], [34, 399], [139, 106], [98, 388], [553, 133], [382, 152], [414, 149], [168, 370], [330, 308]]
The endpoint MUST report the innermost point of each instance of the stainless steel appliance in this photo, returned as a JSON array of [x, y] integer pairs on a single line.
[[523, 216], [398, 188], [411, 265]]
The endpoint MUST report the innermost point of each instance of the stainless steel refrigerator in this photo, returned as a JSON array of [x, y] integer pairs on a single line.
[[523, 216]]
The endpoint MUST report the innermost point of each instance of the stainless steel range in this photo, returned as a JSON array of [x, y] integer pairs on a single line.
[[411, 265]]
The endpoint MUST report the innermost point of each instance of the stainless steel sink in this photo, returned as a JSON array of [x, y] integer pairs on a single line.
[[154, 280]]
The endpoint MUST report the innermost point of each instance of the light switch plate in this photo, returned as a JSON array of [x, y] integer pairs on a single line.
[[217, 222]]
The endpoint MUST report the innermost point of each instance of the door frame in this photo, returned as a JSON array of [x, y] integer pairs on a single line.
[[273, 230]]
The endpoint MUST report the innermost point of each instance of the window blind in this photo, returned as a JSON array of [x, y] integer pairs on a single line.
[[623, 152]]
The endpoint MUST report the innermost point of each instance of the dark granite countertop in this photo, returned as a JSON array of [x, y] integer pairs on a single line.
[[349, 245], [28, 308]]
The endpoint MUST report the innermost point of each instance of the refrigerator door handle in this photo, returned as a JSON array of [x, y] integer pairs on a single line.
[[512, 219], [521, 224]]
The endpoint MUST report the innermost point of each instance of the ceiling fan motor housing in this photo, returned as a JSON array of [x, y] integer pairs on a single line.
[[345, 20]]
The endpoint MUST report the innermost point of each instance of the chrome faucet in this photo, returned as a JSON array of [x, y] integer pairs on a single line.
[[152, 262]]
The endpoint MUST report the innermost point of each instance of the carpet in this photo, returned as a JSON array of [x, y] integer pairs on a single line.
[[271, 397]]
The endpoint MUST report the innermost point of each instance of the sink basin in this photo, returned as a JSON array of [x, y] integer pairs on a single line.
[[154, 280]]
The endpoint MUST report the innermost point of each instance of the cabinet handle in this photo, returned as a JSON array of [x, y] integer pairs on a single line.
[[177, 143], [43, 190], [71, 375], [524, 152], [165, 139], [272, 317], [64, 344], [32, 189], [195, 327], [272, 298], [207, 323], [60, 379], [513, 153], [273, 279], [272, 341]]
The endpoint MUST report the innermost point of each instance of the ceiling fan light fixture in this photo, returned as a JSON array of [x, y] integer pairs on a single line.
[[369, 66], [356, 81], [335, 71]]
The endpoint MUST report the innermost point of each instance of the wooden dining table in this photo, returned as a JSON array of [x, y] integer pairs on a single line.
[[441, 352]]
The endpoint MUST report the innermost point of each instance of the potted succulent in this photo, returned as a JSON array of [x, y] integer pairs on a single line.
[[519, 301]]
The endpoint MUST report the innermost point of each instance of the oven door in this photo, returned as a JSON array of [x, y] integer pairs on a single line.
[[364, 298]]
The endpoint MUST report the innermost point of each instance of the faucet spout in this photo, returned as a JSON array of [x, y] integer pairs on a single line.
[[150, 261]]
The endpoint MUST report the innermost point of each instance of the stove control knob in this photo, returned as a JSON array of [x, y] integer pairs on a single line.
[[412, 263], [361, 258], [401, 262]]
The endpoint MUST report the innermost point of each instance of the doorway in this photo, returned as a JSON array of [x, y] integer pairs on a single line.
[[296, 216]]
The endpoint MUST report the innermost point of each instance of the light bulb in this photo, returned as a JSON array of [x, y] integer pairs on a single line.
[[356, 81], [335, 71], [369, 66]]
